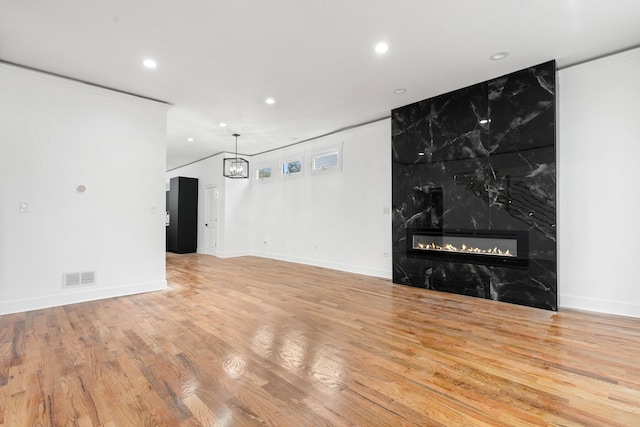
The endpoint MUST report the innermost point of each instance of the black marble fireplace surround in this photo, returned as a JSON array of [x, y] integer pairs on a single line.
[[474, 190]]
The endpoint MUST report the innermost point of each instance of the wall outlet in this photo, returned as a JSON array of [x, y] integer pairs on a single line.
[[386, 210], [385, 254], [23, 207]]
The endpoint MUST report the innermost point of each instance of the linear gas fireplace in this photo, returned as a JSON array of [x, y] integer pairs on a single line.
[[490, 247]]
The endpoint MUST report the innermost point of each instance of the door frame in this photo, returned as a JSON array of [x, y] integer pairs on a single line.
[[216, 195]]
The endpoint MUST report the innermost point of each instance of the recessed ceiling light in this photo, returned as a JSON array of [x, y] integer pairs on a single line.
[[222, 125], [399, 91], [190, 139], [382, 47], [149, 63], [498, 56], [270, 101]]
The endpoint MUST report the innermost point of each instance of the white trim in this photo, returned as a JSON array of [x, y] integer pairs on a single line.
[[293, 159], [600, 305], [234, 254], [312, 155], [80, 295], [602, 62], [43, 76], [208, 187], [270, 178], [385, 274]]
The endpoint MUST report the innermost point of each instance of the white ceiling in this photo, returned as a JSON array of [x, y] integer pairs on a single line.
[[218, 60]]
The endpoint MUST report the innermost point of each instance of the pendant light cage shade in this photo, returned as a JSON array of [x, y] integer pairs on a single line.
[[235, 167]]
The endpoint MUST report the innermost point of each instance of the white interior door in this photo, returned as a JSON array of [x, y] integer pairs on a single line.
[[211, 221]]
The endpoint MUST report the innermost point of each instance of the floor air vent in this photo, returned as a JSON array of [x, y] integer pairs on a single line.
[[84, 278]]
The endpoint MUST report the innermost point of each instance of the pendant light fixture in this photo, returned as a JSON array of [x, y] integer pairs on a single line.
[[235, 167]]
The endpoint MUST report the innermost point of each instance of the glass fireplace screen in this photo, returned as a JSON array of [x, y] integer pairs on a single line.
[[471, 245]]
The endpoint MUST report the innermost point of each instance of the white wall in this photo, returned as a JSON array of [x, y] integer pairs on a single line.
[[598, 204], [56, 134], [336, 220]]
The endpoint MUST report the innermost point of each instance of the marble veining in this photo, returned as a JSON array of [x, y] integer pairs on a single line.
[[481, 158]]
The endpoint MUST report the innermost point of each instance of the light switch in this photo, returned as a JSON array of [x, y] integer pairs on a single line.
[[24, 207]]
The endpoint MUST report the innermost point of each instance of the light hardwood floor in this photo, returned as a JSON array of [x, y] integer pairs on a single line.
[[250, 341]]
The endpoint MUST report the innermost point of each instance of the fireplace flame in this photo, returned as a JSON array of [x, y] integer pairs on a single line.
[[465, 249]]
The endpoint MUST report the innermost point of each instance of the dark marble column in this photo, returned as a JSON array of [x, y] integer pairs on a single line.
[[480, 158]]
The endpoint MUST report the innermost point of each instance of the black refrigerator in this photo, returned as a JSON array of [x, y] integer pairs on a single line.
[[182, 215]]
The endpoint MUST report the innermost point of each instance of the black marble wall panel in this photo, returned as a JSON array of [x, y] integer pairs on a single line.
[[480, 158]]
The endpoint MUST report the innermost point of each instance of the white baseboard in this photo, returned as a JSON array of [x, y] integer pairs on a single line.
[[328, 264], [599, 305], [78, 295], [315, 262], [233, 254]]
